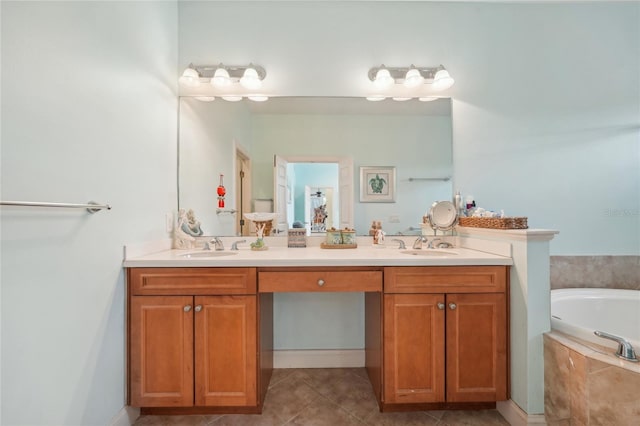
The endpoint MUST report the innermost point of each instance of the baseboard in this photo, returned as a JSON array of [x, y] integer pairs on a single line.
[[516, 416], [125, 417], [329, 358]]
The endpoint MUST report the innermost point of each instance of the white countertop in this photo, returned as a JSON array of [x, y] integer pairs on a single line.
[[364, 255]]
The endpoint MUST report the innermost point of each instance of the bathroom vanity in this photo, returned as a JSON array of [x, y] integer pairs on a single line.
[[200, 329]]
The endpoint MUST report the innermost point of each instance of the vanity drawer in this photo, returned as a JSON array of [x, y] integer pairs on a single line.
[[319, 281], [192, 281], [446, 279]]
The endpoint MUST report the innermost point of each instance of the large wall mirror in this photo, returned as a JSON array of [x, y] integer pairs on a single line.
[[317, 137]]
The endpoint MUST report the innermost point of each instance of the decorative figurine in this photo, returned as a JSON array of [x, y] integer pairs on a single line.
[[189, 224], [259, 244], [182, 239], [221, 193]]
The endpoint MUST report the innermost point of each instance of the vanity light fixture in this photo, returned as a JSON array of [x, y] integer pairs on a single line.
[[250, 79], [412, 77], [224, 76], [442, 80], [190, 77], [232, 98], [221, 77], [382, 78]]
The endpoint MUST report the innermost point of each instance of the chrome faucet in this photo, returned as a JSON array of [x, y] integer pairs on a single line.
[[234, 246], [217, 243], [625, 350], [417, 244], [431, 243], [401, 246]]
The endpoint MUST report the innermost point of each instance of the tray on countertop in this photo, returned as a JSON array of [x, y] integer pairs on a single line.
[[338, 246]]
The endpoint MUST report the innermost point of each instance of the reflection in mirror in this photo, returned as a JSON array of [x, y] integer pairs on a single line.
[[240, 139]]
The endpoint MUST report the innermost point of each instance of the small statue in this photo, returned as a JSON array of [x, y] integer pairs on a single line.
[[190, 225], [259, 244], [182, 239], [378, 237]]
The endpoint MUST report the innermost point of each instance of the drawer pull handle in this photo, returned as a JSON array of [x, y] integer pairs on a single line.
[[452, 306], [440, 306], [198, 308], [320, 282], [187, 308]]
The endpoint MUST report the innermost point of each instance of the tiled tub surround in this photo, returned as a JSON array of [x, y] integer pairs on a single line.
[[585, 384], [621, 272]]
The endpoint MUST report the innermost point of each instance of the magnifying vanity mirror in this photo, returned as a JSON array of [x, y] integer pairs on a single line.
[[294, 155]]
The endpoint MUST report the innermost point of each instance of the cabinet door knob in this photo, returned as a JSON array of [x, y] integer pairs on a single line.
[[452, 306], [198, 308], [440, 305], [187, 308], [320, 282]]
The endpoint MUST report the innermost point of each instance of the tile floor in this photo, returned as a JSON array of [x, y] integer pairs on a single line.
[[331, 397]]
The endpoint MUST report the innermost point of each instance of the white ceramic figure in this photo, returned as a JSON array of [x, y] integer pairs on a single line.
[[190, 225], [181, 239]]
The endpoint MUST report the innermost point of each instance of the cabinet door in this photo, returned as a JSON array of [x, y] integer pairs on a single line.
[[226, 350], [161, 351], [476, 347], [414, 348]]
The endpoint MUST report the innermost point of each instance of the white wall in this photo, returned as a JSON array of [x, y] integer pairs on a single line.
[[546, 101], [89, 112], [208, 131], [418, 146]]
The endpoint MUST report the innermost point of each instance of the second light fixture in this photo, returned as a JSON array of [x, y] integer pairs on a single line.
[[412, 77]]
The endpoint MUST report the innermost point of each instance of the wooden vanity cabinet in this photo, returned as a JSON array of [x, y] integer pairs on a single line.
[[193, 338], [445, 335]]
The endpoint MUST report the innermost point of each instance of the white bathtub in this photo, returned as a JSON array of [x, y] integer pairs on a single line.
[[581, 311]]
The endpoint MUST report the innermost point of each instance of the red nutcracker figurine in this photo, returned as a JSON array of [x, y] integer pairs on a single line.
[[221, 193]]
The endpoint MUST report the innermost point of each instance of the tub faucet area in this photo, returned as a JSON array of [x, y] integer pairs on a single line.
[[625, 350]]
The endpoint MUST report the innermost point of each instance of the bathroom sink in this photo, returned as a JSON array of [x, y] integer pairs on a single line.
[[429, 253], [206, 254]]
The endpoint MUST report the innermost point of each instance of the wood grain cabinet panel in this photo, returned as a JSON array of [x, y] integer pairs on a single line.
[[454, 340], [476, 347], [190, 352], [414, 348], [190, 281], [161, 351], [321, 280], [226, 350]]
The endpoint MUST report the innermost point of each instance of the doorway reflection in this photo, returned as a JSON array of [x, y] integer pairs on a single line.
[[313, 201]]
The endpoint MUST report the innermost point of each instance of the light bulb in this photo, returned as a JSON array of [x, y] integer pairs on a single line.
[[250, 79], [442, 80], [400, 99], [258, 98], [427, 99], [375, 98], [413, 78], [232, 98], [221, 78], [190, 78], [383, 79], [205, 98]]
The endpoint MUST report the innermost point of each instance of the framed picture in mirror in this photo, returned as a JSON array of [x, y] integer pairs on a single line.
[[377, 184]]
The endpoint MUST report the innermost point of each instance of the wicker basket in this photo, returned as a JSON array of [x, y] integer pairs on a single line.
[[494, 222]]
